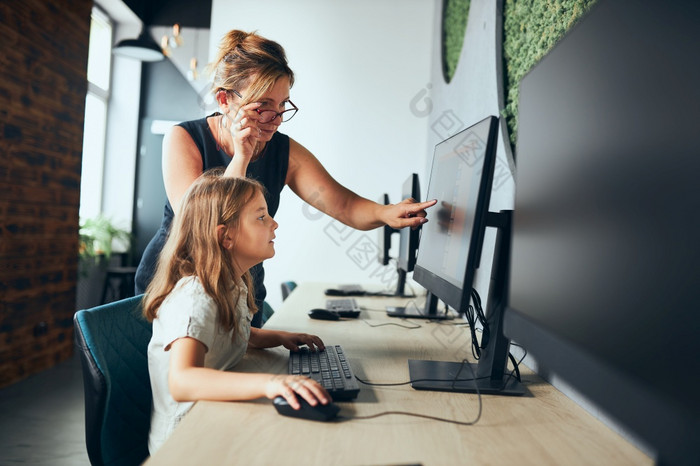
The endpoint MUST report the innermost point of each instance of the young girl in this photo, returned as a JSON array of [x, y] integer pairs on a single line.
[[201, 303]]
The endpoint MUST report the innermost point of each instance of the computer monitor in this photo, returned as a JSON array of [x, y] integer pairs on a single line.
[[449, 254], [408, 241], [408, 237], [604, 289], [384, 236]]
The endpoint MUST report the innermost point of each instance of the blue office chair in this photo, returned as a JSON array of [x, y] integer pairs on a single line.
[[113, 341], [267, 312], [287, 287]]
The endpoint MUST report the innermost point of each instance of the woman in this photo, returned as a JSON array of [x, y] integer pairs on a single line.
[[251, 83]]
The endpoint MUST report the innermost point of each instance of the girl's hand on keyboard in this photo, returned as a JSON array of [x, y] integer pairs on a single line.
[[292, 341], [289, 386]]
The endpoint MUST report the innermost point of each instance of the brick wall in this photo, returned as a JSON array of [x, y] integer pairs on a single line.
[[43, 66]]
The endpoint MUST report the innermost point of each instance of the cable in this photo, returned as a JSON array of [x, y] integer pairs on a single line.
[[516, 368], [383, 294], [469, 315], [516, 365], [394, 323], [442, 322], [405, 413], [396, 384], [372, 310], [426, 316], [426, 416], [482, 318], [472, 314]]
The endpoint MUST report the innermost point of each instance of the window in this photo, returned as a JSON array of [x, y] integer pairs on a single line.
[[98, 74]]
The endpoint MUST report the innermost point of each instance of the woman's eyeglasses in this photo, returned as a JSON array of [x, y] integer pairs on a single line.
[[266, 116]]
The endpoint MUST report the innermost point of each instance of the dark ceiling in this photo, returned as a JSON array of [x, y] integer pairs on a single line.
[[187, 13]]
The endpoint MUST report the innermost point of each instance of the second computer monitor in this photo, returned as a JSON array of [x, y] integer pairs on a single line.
[[408, 237], [384, 236], [450, 244]]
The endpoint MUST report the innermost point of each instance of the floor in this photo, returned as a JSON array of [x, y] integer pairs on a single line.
[[42, 420]]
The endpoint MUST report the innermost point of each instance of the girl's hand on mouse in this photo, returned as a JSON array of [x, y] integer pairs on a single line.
[[292, 341], [289, 386]]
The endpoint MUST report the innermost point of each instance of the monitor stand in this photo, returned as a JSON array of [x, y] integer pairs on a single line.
[[400, 286], [456, 377], [430, 310], [488, 375]]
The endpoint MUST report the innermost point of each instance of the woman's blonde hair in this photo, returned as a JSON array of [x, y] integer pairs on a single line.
[[193, 247], [248, 59]]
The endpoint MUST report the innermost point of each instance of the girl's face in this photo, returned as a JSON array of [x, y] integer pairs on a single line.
[[275, 99], [253, 238]]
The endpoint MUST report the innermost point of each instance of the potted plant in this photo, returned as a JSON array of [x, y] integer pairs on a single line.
[[99, 237]]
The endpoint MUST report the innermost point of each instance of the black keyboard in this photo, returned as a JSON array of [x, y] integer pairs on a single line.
[[342, 305], [329, 367]]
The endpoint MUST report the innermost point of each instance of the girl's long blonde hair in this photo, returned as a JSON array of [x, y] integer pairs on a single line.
[[193, 247]]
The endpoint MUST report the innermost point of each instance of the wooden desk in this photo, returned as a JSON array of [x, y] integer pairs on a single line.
[[543, 427]]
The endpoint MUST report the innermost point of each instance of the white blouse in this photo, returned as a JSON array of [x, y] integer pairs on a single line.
[[188, 311]]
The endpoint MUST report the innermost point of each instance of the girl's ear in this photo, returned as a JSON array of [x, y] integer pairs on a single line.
[[224, 236]]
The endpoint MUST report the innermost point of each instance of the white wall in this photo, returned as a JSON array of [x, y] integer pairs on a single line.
[[358, 66]]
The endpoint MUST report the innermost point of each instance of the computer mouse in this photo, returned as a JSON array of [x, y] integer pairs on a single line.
[[312, 413], [324, 314]]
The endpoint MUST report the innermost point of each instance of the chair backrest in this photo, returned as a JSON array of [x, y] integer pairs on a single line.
[[287, 287], [113, 342], [267, 312]]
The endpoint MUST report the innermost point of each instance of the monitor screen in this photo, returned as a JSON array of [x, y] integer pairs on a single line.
[[408, 237], [450, 242], [605, 260]]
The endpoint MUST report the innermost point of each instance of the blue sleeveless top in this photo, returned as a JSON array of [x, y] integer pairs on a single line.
[[270, 169]]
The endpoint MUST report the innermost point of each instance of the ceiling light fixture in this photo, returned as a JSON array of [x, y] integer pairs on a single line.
[[143, 48]]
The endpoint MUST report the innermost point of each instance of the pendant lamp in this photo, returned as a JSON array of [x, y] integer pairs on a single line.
[[143, 48]]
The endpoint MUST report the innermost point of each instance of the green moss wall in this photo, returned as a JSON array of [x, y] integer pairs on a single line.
[[530, 29], [454, 25]]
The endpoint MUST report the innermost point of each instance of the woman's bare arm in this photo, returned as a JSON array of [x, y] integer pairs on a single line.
[[311, 182]]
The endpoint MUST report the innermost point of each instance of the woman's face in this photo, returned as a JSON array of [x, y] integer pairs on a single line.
[[276, 99]]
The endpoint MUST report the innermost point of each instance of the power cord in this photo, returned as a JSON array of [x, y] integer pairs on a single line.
[[516, 365], [415, 325], [472, 314], [426, 416], [397, 384], [516, 371]]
